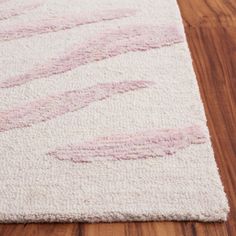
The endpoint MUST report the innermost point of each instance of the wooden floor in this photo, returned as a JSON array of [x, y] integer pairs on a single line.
[[211, 31]]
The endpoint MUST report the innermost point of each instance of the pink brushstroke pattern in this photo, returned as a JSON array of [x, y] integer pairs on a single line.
[[149, 144], [19, 8], [48, 25], [56, 105], [2, 1], [106, 45]]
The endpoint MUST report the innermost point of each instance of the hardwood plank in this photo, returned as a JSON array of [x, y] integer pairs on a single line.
[[211, 32], [40, 229], [208, 13]]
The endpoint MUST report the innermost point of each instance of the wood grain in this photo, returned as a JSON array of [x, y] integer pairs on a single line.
[[211, 31]]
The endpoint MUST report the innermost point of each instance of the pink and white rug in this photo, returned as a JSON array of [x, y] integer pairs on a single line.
[[100, 115]]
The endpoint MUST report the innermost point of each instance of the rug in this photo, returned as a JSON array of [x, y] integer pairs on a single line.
[[101, 118]]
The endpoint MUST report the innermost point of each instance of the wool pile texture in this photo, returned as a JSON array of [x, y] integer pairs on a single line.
[[101, 118]]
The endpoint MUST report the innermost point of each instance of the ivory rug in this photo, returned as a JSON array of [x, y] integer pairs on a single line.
[[100, 115]]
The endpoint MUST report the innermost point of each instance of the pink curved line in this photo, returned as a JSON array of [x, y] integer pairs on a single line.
[[50, 107], [61, 23], [19, 9], [105, 45], [148, 144]]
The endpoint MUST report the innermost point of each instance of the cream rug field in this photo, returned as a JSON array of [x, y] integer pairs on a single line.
[[100, 115]]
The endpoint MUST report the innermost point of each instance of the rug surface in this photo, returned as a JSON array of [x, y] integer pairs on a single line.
[[100, 115]]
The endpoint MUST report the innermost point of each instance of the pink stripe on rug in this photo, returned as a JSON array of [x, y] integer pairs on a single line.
[[2, 1], [149, 144], [19, 8], [48, 25], [106, 45], [56, 105]]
